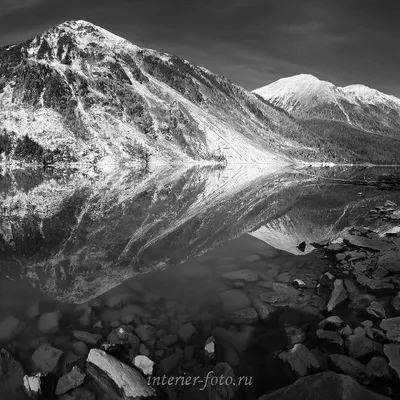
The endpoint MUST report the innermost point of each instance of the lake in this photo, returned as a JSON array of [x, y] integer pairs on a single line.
[[168, 246]]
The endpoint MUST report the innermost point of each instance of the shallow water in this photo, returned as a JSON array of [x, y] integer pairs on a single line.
[[168, 238]]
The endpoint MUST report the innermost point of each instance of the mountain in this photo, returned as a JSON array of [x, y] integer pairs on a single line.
[[81, 93], [355, 117]]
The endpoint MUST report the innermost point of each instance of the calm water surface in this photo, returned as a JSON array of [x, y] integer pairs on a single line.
[[166, 237]]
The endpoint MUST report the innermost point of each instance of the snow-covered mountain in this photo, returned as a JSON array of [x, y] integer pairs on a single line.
[[357, 118], [307, 97], [93, 95]]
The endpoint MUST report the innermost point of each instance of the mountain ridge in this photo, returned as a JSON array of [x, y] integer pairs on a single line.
[[78, 93]]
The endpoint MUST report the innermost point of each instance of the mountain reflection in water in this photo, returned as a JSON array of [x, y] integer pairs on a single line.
[[75, 234]]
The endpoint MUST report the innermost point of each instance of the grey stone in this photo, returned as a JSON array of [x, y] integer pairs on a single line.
[[45, 358], [360, 346], [376, 310], [223, 391], [378, 368], [49, 322], [330, 337], [167, 341], [172, 362], [9, 327], [350, 366], [119, 300], [263, 309], [396, 302], [69, 381], [300, 359], [228, 338], [79, 393], [338, 295], [247, 316], [187, 333], [89, 338], [392, 352], [144, 364], [145, 332], [391, 326], [117, 379], [390, 261], [124, 335], [331, 323], [243, 274], [275, 297]]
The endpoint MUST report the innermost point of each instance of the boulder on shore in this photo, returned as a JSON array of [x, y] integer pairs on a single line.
[[117, 379], [325, 385]]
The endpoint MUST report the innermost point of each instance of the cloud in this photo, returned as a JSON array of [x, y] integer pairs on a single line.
[[9, 6]]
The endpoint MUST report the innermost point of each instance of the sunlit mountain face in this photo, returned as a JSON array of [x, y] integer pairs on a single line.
[[75, 234]]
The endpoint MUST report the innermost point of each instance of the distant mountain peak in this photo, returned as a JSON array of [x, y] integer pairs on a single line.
[[358, 106]]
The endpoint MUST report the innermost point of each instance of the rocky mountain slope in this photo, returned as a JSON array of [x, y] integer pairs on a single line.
[[83, 94], [357, 117]]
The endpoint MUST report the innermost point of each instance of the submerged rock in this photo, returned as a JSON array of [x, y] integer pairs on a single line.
[[9, 327], [49, 322], [46, 357], [232, 339], [124, 336], [172, 362], [247, 316], [120, 300], [146, 332], [242, 275], [89, 338], [187, 333], [338, 295], [264, 310]]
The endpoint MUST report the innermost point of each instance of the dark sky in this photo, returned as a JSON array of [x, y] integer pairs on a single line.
[[251, 42]]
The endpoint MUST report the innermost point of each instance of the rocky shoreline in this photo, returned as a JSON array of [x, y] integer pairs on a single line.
[[334, 328]]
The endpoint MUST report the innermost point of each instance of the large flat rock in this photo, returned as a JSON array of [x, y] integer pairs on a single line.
[[117, 379]]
